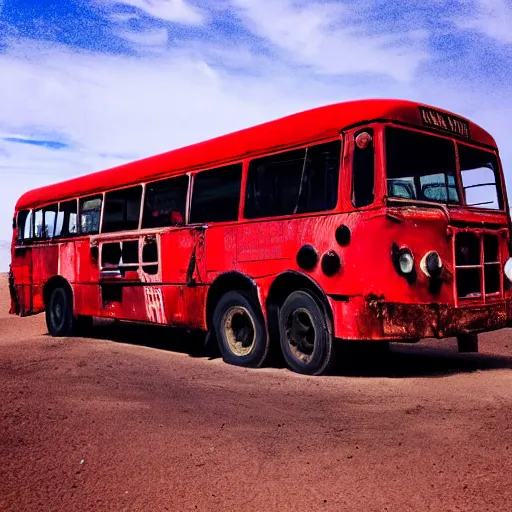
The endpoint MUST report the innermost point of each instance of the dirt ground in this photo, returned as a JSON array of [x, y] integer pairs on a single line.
[[140, 419]]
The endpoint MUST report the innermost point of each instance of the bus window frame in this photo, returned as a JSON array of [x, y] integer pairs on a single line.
[[70, 236], [145, 186], [191, 185], [341, 179], [103, 203], [20, 240], [81, 200], [378, 143], [458, 177], [500, 190]]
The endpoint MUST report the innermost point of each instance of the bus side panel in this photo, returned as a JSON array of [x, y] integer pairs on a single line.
[[45, 265], [190, 309], [85, 272], [87, 300], [221, 255], [67, 261], [184, 277]]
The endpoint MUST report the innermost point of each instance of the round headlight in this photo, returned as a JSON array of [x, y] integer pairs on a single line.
[[431, 264], [406, 261], [508, 269]]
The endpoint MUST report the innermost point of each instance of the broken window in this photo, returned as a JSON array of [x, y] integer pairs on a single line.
[[39, 224], [150, 257], [25, 226], [66, 224], [122, 210], [216, 195], [165, 203], [50, 216], [298, 181], [90, 214]]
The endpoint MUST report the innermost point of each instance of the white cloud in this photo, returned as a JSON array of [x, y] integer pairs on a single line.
[[491, 17], [111, 109], [153, 38], [168, 10], [328, 38]]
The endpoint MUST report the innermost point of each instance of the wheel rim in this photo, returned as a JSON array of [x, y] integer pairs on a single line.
[[240, 330], [300, 334], [58, 310]]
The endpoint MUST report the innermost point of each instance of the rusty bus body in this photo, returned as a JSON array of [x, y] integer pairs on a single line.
[[354, 221]]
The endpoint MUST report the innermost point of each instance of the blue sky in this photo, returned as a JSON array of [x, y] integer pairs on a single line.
[[88, 84]]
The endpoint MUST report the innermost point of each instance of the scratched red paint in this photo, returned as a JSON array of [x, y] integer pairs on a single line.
[[367, 297]]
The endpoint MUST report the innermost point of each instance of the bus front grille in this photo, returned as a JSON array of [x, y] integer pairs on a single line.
[[478, 266]]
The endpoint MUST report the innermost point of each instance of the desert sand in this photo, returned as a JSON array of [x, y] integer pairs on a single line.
[[142, 419]]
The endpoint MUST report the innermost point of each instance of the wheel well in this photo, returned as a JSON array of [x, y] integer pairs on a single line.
[[53, 283], [287, 283], [225, 283]]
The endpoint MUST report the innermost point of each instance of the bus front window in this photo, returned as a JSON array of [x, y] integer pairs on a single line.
[[480, 179], [420, 167]]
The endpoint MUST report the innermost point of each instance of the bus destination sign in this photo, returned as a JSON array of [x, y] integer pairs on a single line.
[[445, 122]]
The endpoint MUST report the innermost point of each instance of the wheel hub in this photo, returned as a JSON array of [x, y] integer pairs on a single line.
[[240, 330]]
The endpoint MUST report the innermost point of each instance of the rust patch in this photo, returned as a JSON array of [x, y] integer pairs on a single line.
[[408, 320], [416, 321]]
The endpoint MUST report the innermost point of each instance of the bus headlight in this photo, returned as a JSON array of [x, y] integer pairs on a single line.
[[405, 261], [431, 264], [508, 269]]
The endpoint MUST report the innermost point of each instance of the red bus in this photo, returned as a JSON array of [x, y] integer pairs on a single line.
[[381, 220]]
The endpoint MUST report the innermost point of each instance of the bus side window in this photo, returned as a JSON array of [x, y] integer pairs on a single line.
[[122, 210], [25, 227], [216, 195], [39, 231], [50, 215], [90, 213], [363, 169], [273, 184], [165, 203], [297, 181], [66, 225]]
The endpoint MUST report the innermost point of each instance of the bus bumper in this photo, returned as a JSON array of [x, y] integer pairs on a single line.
[[361, 319]]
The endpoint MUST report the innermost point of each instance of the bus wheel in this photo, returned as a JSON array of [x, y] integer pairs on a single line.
[[240, 330], [306, 343], [59, 312]]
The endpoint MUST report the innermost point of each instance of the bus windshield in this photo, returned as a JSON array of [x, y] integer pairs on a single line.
[[423, 167]]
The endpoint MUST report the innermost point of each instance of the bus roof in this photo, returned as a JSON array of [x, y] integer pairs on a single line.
[[316, 124]]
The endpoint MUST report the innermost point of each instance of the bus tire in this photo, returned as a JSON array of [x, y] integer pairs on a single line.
[[59, 312], [240, 330], [306, 341]]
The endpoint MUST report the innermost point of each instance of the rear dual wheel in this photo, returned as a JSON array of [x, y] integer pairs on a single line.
[[305, 333], [307, 343], [60, 320], [240, 329]]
